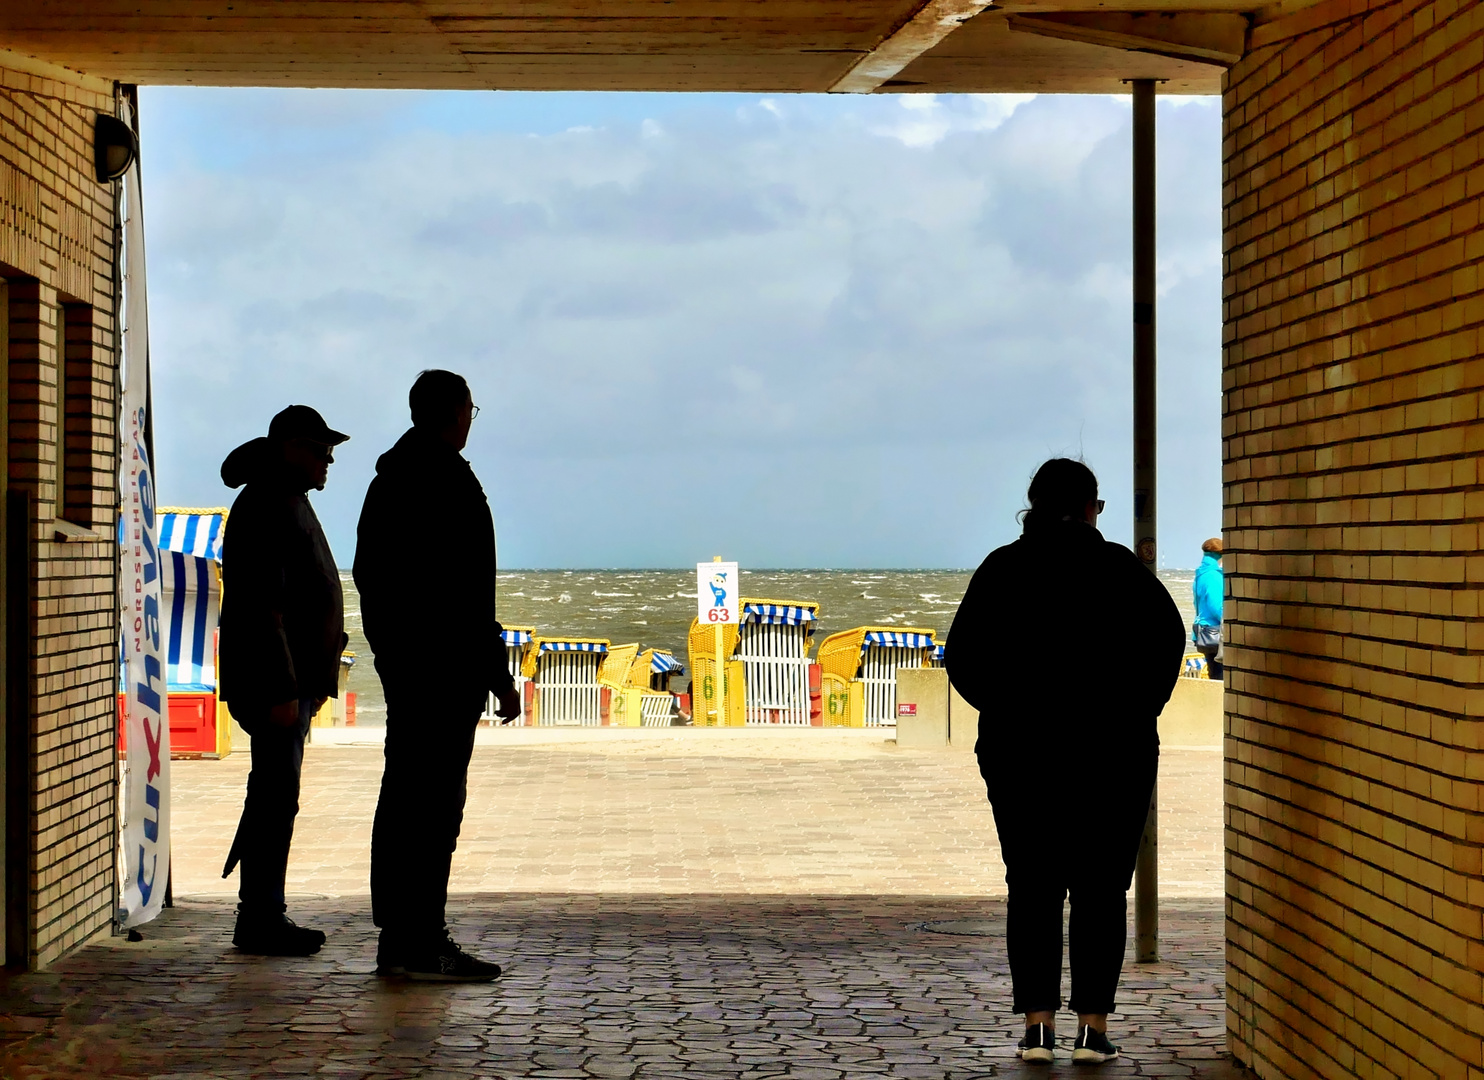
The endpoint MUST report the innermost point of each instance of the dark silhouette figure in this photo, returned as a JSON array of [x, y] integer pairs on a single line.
[[1068, 750], [282, 632], [439, 654]]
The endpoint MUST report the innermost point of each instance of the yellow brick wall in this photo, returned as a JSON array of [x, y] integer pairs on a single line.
[[56, 235], [1353, 187]]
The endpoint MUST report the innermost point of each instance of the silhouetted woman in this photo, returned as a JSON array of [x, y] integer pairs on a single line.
[[1068, 751]]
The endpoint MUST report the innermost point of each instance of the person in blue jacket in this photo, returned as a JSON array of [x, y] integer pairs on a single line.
[[1209, 588]]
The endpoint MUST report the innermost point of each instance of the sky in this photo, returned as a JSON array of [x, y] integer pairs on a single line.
[[795, 331]]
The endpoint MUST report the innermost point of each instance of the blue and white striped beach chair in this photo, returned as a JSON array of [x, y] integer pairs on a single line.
[[773, 645], [565, 674], [191, 589]]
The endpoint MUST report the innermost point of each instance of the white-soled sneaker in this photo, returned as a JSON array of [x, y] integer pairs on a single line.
[[1092, 1047], [1038, 1044]]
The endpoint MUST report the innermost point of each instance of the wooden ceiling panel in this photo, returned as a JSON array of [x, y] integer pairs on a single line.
[[699, 71], [986, 56], [742, 45]]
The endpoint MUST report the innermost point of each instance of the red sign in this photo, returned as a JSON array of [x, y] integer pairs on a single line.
[[907, 708]]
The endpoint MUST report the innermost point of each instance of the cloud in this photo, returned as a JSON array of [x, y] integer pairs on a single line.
[[812, 331], [926, 119]]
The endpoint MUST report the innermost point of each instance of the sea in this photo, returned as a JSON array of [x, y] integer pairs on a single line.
[[655, 607]]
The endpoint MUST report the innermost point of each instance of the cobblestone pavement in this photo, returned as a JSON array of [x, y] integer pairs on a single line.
[[671, 904], [615, 986]]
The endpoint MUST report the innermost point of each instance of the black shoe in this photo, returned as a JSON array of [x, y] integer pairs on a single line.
[[1038, 1044], [446, 962], [275, 935], [1092, 1047], [391, 952]]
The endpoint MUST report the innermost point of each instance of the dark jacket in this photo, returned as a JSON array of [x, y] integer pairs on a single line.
[[1064, 640], [431, 633], [283, 619]]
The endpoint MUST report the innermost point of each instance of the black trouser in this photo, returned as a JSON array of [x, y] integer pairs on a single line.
[[1215, 657], [1070, 827], [429, 741], [267, 826]]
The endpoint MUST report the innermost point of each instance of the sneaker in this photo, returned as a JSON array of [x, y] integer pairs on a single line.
[[390, 955], [1092, 1047], [1038, 1044], [275, 936], [446, 962]]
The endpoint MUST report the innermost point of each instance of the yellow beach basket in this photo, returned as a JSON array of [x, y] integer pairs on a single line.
[[865, 661]]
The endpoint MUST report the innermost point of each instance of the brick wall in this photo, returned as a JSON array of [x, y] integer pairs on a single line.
[[1355, 749], [56, 231]]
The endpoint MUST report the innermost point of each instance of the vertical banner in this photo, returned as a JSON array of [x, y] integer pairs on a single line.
[[145, 824]]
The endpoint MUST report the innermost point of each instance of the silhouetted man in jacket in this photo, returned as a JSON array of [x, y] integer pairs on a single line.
[[439, 654], [282, 632]]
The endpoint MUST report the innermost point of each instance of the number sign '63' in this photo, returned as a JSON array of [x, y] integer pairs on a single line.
[[717, 595]]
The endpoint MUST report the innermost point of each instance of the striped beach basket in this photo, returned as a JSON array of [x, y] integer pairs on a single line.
[[191, 595], [862, 664], [773, 646], [564, 674], [517, 641]]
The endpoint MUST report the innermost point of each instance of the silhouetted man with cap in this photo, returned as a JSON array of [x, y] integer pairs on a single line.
[[282, 632], [439, 654]]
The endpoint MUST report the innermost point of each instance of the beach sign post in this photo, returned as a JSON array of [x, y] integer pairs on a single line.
[[718, 603]]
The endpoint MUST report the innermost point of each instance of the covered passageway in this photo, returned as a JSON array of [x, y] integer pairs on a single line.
[[1352, 191]]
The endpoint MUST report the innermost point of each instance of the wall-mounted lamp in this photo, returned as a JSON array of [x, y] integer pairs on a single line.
[[114, 147]]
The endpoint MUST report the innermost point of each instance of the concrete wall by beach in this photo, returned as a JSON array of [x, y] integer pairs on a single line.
[[56, 258], [1353, 182], [942, 720]]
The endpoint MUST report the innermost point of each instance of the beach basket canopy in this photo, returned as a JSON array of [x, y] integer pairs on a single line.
[[840, 654], [907, 639], [779, 612], [544, 645], [664, 663], [597, 645], [190, 586], [193, 532]]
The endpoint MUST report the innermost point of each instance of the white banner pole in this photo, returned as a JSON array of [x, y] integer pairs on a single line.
[[145, 825]]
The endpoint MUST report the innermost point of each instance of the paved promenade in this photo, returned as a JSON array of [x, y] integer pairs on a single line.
[[687, 904], [680, 810]]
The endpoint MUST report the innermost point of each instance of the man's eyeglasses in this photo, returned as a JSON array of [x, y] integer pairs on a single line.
[[473, 411], [1101, 504]]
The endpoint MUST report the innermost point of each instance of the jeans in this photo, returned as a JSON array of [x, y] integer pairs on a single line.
[[267, 826], [429, 742], [1074, 833]]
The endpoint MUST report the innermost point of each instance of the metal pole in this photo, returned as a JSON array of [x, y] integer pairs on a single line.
[[1146, 872]]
